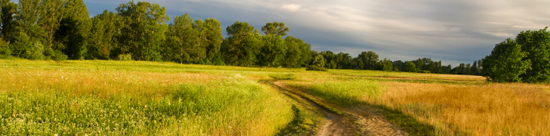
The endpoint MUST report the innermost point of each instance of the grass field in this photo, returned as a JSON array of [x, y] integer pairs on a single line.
[[113, 98], [439, 104], [151, 98]]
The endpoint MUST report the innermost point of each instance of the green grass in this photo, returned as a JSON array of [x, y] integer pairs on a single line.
[[346, 93], [137, 98]]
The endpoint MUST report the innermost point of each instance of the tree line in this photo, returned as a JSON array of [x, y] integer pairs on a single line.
[[369, 60], [63, 29]]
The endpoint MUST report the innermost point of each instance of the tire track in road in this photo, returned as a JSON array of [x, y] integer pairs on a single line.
[[352, 122]]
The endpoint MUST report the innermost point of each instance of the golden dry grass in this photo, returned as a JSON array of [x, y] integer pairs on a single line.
[[497, 109], [453, 104]]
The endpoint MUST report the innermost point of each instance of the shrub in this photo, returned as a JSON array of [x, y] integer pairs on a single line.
[[125, 57], [4, 49], [59, 56], [315, 68]]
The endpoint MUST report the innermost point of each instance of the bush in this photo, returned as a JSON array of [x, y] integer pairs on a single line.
[[125, 57], [315, 68], [34, 51], [424, 71], [4, 49], [59, 56]]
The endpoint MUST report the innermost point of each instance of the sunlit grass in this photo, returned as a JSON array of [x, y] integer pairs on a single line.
[[115, 98], [151, 98], [451, 104], [498, 109]]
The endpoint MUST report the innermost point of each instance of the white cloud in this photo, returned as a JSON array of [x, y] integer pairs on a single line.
[[291, 7]]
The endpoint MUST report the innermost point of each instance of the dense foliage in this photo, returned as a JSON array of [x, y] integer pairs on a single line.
[[525, 59]]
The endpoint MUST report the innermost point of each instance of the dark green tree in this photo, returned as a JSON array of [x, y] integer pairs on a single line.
[[473, 69], [142, 30], [27, 33], [386, 65], [101, 42], [8, 9], [370, 60], [51, 13], [273, 51], [410, 67], [275, 28], [180, 40], [212, 31], [293, 54], [536, 44], [505, 63], [242, 44], [71, 37]]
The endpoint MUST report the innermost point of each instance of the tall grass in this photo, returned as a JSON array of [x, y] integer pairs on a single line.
[[345, 94], [141, 98], [498, 109]]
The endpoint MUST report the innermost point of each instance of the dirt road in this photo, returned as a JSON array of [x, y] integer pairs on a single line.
[[351, 122]]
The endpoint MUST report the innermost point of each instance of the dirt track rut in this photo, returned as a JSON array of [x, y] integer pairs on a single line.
[[352, 122]]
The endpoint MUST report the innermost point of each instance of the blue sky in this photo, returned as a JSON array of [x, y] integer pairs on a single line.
[[454, 31]]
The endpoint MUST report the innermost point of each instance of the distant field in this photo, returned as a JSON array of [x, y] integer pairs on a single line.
[[151, 98]]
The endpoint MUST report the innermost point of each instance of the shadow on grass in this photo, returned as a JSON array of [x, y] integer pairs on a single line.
[[289, 76], [407, 123], [299, 126]]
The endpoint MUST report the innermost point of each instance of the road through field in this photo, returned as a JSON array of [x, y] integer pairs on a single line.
[[350, 122], [335, 124]]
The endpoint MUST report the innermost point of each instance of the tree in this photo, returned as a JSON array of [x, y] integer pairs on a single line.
[[275, 28], [370, 60], [142, 30], [473, 69], [242, 45], [467, 69], [180, 40], [386, 64], [360, 64], [101, 42], [293, 54], [305, 49], [52, 13], [27, 33], [344, 60], [419, 64], [319, 61], [8, 10], [536, 44], [272, 50], [505, 63], [71, 37], [410, 67], [479, 67], [399, 64], [213, 36], [27, 48]]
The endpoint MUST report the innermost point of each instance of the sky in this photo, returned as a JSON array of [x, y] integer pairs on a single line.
[[453, 31]]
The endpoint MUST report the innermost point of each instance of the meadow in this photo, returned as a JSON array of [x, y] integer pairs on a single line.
[[136, 98], [434, 104], [152, 98]]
